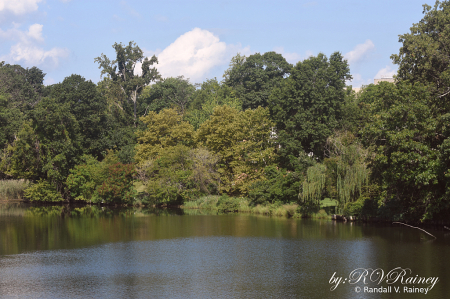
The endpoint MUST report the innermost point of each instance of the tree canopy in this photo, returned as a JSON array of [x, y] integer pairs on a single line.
[[254, 77], [307, 107], [123, 70], [424, 56]]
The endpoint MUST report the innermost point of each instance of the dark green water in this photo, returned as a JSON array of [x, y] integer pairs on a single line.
[[60, 252]]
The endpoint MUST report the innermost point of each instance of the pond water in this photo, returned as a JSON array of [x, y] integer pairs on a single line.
[[91, 252]]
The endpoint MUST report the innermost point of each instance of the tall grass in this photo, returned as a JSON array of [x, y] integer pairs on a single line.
[[208, 202], [12, 189], [242, 205]]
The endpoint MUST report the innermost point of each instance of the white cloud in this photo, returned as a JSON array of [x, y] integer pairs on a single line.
[[293, 57], [194, 54], [358, 81], [386, 72], [34, 33], [34, 55], [359, 52], [19, 7], [27, 49]]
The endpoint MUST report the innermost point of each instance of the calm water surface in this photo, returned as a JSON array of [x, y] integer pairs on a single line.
[[90, 252]]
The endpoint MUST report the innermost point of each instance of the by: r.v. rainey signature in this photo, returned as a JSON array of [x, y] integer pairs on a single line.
[[378, 276]]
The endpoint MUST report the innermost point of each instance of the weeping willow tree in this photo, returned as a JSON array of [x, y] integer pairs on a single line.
[[342, 175], [347, 167], [314, 184], [349, 183]]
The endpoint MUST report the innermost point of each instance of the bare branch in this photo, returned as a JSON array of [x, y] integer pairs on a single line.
[[416, 228], [443, 95]]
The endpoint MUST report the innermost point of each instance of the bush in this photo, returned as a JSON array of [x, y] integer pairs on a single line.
[[118, 187], [43, 191], [278, 186], [322, 214], [109, 181], [227, 204], [353, 208]]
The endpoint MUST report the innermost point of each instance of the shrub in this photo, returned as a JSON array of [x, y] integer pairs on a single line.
[[43, 191], [109, 181], [118, 187], [353, 208], [227, 204], [322, 214], [278, 186]]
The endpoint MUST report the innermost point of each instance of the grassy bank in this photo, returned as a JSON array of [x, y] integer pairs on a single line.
[[225, 204], [12, 189]]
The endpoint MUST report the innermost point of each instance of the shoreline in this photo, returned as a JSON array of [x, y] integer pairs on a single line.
[[271, 210]]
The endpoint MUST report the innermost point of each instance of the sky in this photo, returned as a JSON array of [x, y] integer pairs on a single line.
[[197, 39]]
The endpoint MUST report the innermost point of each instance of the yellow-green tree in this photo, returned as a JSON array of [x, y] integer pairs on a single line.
[[243, 142], [164, 130]]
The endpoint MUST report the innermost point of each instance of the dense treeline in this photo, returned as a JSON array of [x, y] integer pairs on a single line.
[[271, 132]]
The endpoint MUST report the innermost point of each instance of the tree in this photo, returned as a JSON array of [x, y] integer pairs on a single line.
[[108, 181], [168, 93], [308, 106], [11, 119], [410, 145], [164, 130], [88, 107], [47, 147], [254, 77], [123, 70], [25, 86], [243, 142], [119, 132], [206, 98], [179, 174], [424, 56]]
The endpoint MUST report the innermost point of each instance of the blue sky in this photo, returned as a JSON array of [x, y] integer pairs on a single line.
[[198, 38]]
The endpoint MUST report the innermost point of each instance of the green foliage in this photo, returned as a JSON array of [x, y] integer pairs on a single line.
[[276, 186], [87, 106], [43, 191], [210, 95], [24, 86], [347, 169], [47, 147], [342, 175], [207, 202], [13, 189], [179, 173], [353, 208], [11, 118], [108, 181], [118, 187], [314, 184], [308, 106], [254, 77], [168, 93], [355, 112], [424, 55], [243, 142], [122, 71], [84, 179], [164, 130], [227, 204], [408, 135]]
